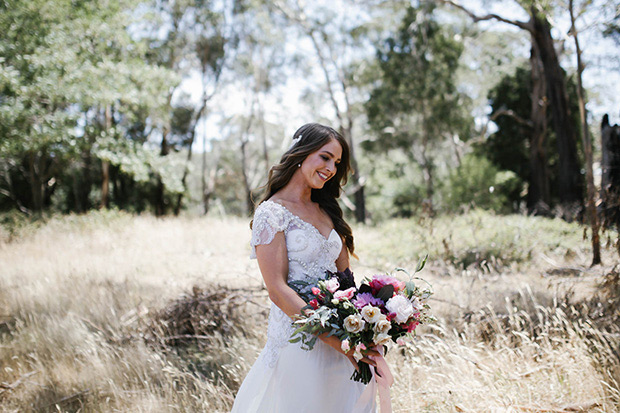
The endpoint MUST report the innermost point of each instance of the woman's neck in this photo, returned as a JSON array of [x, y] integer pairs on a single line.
[[296, 190]]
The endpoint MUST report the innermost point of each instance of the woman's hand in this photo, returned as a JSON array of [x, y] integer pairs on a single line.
[[336, 344]]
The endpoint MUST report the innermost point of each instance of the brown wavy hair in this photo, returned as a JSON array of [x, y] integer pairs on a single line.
[[312, 137]]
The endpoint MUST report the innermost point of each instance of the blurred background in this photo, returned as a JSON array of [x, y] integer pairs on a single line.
[[183, 106], [136, 137]]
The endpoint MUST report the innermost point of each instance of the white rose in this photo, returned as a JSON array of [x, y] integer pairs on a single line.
[[401, 306], [383, 326], [381, 339], [332, 284], [354, 323], [371, 314]]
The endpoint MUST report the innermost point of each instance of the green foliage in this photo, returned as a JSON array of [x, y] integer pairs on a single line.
[[508, 147], [475, 238], [395, 187], [478, 183], [416, 98], [70, 102]]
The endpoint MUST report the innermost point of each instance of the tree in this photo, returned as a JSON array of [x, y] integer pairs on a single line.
[[58, 108], [569, 180], [587, 144], [516, 147], [332, 41], [416, 103], [210, 53]]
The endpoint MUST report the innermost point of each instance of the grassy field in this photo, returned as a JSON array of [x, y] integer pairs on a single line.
[[96, 310]]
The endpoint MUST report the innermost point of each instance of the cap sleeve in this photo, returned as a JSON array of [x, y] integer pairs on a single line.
[[269, 219]]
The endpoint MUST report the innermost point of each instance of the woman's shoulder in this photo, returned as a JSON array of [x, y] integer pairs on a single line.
[[271, 212]]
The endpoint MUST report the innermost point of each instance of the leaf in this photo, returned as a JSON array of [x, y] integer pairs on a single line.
[[295, 340], [364, 288], [421, 263], [410, 285], [386, 292]]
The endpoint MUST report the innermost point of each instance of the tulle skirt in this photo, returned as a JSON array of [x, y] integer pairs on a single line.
[[303, 381]]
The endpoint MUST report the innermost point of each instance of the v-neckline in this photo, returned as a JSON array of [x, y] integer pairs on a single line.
[[326, 238]]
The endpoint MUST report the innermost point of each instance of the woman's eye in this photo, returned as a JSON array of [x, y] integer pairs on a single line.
[[325, 158]]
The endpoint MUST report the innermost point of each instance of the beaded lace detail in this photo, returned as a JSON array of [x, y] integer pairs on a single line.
[[310, 254]]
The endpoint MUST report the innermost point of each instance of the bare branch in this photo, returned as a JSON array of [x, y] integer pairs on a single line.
[[301, 18], [502, 112], [522, 25], [511, 113], [4, 387]]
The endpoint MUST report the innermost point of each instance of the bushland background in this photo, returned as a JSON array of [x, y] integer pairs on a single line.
[[135, 137]]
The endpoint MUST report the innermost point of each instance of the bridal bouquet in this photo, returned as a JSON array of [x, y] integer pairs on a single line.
[[381, 310]]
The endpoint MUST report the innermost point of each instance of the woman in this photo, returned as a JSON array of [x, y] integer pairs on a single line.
[[298, 233]]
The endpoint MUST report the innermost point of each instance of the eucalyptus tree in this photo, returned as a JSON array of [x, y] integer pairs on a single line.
[[64, 98], [585, 133], [338, 49], [545, 56], [184, 36], [261, 70], [415, 103], [212, 38]]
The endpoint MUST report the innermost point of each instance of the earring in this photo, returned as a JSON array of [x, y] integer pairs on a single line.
[[299, 165]]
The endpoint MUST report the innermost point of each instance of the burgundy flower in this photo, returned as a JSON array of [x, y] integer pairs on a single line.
[[380, 280]]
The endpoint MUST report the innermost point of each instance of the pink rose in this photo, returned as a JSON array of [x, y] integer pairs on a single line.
[[346, 294], [332, 284], [316, 291], [345, 345]]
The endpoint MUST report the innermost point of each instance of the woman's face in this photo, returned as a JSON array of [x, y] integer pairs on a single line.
[[320, 166]]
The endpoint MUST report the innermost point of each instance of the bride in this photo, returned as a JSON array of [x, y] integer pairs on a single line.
[[298, 233]]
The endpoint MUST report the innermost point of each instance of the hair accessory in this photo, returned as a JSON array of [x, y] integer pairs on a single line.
[[294, 141]]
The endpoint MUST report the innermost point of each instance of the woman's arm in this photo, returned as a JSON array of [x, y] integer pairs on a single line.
[[342, 262], [273, 263]]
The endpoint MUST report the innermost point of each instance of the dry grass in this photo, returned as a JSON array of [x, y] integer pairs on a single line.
[[96, 312]]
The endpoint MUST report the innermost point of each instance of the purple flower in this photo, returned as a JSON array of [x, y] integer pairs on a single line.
[[364, 299]]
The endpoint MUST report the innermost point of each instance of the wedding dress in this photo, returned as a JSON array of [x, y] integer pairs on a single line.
[[286, 378]]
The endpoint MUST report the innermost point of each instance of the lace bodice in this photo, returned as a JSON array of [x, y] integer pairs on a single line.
[[310, 254]]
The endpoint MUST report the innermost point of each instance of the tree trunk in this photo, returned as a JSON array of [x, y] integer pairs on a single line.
[[84, 177], [570, 182], [105, 166], [160, 198], [356, 179], [538, 195], [203, 174], [36, 186], [179, 203], [246, 181], [587, 147], [427, 168], [610, 185]]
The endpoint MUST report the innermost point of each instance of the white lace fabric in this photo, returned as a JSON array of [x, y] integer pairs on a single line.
[[310, 254]]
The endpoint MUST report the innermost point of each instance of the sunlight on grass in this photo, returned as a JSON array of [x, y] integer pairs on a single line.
[[519, 328]]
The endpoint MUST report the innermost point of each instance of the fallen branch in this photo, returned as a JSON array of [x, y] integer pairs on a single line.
[[5, 387], [67, 398]]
